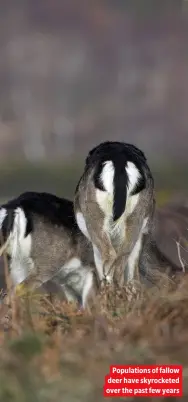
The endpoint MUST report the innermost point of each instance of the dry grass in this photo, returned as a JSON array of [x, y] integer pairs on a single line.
[[50, 353]]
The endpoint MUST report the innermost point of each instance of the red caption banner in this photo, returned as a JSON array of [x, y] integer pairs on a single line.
[[147, 381]]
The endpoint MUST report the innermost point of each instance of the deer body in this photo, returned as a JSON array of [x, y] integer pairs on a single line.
[[114, 205], [45, 244]]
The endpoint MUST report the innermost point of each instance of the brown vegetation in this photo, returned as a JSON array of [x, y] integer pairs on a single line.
[[51, 353]]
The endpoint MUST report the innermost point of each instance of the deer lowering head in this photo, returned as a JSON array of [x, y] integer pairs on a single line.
[[114, 205], [44, 244]]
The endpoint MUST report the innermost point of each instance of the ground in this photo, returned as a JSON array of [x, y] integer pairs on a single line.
[[50, 353]]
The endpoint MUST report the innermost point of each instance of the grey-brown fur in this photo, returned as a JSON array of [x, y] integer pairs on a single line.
[[115, 248], [52, 247]]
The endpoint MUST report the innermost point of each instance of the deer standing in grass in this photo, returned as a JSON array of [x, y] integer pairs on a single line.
[[114, 206], [45, 245]]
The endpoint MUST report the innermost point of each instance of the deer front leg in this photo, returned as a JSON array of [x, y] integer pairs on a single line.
[[104, 256], [119, 268], [126, 264]]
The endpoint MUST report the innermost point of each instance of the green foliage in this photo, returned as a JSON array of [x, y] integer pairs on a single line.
[[163, 196], [61, 179], [27, 346]]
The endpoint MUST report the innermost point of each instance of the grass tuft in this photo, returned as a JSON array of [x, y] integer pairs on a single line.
[[50, 353]]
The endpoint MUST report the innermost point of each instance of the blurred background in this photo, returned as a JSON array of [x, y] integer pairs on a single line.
[[74, 73]]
